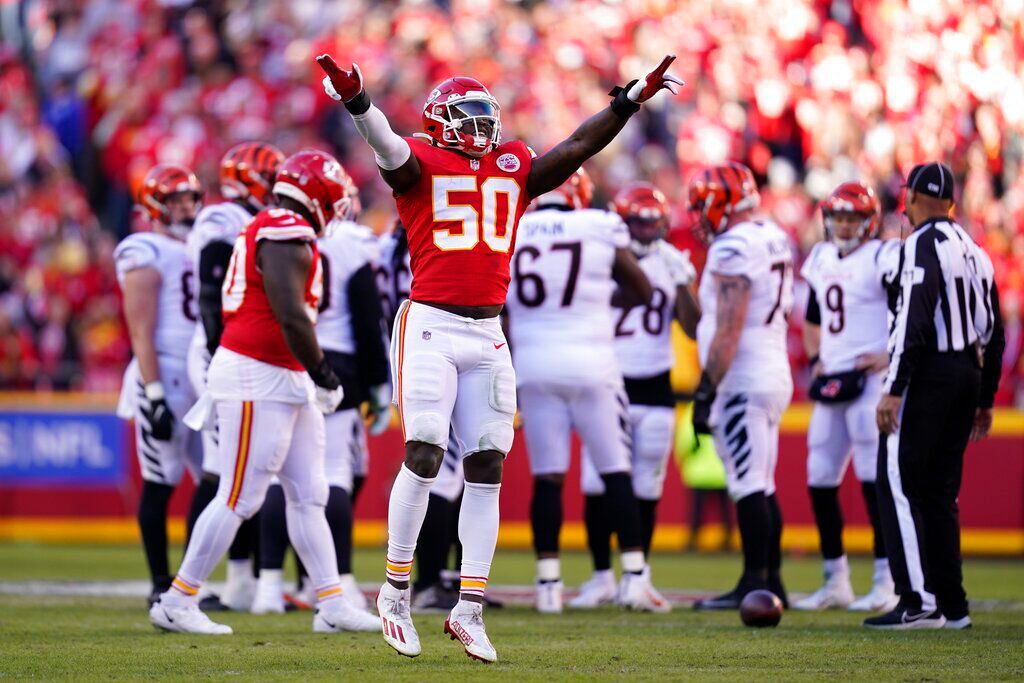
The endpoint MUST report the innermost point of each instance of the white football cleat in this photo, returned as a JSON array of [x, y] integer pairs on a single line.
[[355, 597], [549, 597], [465, 623], [339, 615], [882, 598], [600, 589], [185, 619], [396, 620], [269, 595], [637, 593], [239, 595], [836, 593]]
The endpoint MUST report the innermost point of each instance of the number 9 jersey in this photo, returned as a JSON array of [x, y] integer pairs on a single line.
[[461, 218]]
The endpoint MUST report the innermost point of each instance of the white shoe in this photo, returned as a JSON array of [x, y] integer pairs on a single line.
[[355, 597], [600, 589], [465, 623], [339, 615], [185, 619], [549, 597], [637, 593], [269, 596], [239, 595], [836, 593], [882, 598], [396, 620]]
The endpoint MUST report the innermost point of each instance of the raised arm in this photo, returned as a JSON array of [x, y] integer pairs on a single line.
[[398, 165], [554, 167]]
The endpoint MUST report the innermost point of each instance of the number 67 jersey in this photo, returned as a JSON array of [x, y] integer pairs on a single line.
[[760, 252]]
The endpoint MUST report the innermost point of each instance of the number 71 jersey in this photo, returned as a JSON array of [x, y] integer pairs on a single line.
[[760, 252], [461, 218]]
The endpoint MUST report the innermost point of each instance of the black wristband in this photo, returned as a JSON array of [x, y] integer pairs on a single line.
[[358, 104], [324, 376], [622, 105], [706, 389]]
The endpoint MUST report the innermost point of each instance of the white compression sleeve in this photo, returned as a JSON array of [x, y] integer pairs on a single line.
[[389, 148]]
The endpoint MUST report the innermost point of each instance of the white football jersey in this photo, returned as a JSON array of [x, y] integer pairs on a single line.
[[394, 276], [176, 307], [221, 222], [760, 251], [349, 247], [643, 334], [559, 299], [851, 294]]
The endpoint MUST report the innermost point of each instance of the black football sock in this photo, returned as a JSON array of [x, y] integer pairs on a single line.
[[205, 492], [775, 540], [273, 529], [453, 533], [755, 535], [546, 516], [152, 516], [648, 518], [829, 518], [599, 531], [339, 519], [433, 543], [357, 486], [244, 545], [623, 509], [871, 503]]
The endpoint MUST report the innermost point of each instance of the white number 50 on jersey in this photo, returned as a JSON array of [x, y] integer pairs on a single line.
[[473, 223]]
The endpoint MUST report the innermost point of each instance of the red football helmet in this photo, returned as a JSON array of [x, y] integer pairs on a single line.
[[851, 198], [461, 113], [575, 193], [247, 172], [162, 181], [717, 192], [645, 210], [318, 182]]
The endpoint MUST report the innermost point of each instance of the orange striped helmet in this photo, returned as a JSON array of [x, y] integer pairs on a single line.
[[161, 182], [716, 192], [576, 192], [645, 211], [248, 170]]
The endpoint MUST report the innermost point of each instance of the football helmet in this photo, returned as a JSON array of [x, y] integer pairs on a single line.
[[247, 172], [645, 211], [717, 192], [574, 193], [460, 113], [161, 182], [851, 198], [318, 182]]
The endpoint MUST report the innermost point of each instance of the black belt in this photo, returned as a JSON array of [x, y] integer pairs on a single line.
[[650, 391]]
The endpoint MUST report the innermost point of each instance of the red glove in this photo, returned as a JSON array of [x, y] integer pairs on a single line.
[[340, 84], [648, 86]]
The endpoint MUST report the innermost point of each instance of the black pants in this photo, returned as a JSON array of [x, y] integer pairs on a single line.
[[919, 473]]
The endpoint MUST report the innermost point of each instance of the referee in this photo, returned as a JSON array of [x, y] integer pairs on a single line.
[[945, 345]]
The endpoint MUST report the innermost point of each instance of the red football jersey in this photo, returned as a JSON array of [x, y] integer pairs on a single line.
[[461, 218], [250, 327]]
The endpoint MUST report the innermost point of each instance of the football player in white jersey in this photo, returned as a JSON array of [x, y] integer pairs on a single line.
[[568, 259], [643, 347], [845, 335], [247, 173], [155, 275], [746, 293]]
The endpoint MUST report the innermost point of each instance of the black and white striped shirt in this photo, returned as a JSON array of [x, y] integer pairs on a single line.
[[947, 302]]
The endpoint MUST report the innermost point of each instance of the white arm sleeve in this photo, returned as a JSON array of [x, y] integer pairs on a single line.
[[389, 148]]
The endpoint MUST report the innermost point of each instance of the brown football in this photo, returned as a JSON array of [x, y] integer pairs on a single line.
[[761, 608]]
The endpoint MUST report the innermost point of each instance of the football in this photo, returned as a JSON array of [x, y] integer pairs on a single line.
[[761, 609]]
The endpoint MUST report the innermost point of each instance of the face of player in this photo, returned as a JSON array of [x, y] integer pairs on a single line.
[[646, 230], [480, 120], [847, 225], [182, 208]]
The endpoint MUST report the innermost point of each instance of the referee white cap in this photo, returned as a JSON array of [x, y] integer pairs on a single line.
[[934, 179]]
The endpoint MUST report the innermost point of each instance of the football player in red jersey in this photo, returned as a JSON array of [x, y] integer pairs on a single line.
[[460, 192], [270, 386]]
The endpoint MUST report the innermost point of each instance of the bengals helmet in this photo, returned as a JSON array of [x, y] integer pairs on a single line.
[[857, 199], [460, 113], [247, 172], [318, 182], [645, 211], [163, 181], [717, 192], [574, 193]]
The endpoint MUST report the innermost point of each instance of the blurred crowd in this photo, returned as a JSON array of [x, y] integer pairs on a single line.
[[808, 93]]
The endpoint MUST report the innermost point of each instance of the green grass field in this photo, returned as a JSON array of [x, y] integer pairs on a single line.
[[110, 638]]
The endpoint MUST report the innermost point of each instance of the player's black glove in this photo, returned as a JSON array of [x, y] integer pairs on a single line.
[[157, 413], [703, 397]]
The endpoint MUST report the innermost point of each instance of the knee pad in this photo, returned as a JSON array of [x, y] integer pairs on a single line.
[[428, 427], [497, 436], [591, 483], [824, 469], [315, 493], [502, 394]]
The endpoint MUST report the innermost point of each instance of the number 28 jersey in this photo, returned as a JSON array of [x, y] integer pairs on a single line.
[[759, 251], [250, 327], [461, 218]]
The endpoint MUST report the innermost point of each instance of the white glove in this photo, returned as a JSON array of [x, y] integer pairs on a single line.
[[380, 409], [329, 89], [328, 400], [679, 267]]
